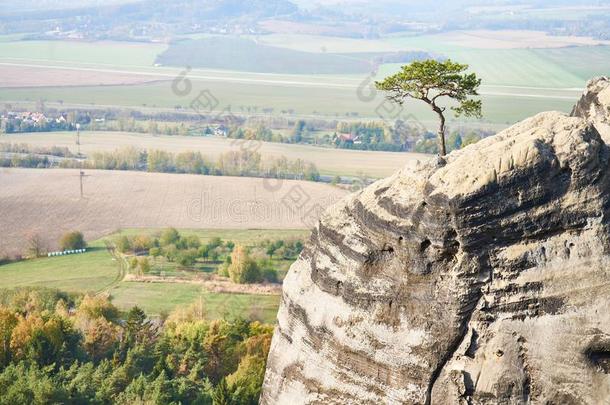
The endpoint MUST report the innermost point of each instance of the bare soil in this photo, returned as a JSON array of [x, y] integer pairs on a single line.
[[47, 202]]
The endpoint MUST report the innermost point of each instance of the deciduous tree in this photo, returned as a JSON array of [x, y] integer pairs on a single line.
[[72, 241]]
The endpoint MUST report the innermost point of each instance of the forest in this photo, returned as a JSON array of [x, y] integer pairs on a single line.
[[57, 347]]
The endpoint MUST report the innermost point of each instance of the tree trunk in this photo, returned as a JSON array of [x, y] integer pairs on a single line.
[[441, 131]]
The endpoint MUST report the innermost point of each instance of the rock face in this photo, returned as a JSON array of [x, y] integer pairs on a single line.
[[594, 105], [484, 279]]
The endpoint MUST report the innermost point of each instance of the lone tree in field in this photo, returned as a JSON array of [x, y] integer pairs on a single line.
[[431, 80]]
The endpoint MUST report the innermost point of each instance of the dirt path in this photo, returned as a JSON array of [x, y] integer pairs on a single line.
[[121, 264]]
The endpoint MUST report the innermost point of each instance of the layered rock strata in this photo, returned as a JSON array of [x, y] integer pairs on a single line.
[[481, 278]]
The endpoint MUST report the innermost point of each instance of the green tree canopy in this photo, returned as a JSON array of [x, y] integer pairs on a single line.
[[169, 236], [430, 81]]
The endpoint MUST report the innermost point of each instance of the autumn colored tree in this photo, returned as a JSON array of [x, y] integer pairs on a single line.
[[59, 348], [141, 243], [100, 339], [8, 321], [97, 306], [243, 269], [72, 241]]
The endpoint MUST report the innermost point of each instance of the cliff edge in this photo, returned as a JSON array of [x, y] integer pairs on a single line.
[[480, 279]]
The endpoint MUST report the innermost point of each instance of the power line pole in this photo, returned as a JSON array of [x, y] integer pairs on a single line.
[[81, 176]]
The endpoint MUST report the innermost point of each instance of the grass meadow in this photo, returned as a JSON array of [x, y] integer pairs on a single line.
[[92, 271], [160, 298], [97, 271]]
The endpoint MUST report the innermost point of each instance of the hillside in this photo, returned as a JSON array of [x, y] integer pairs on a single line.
[[480, 278]]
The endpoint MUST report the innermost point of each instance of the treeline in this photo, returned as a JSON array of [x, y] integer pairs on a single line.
[[60, 151], [61, 348], [16, 125], [454, 141], [232, 163], [395, 135], [243, 264], [28, 161], [401, 136], [376, 136], [352, 135], [23, 155]]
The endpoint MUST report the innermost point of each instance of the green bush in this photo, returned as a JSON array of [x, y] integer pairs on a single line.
[[269, 275], [169, 236], [170, 252], [187, 257], [123, 244], [192, 242]]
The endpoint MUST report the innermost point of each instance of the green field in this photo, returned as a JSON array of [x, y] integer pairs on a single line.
[[566, 67], [248, 237], [97, 271], [92, 271], [158, 298], [94, 53], [247, 55], [329, 103], [517, 83]]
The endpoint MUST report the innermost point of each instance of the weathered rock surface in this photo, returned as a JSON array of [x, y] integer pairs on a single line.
[[484, 279], [594, 105]]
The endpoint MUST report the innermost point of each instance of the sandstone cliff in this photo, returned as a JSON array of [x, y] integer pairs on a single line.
[[481, 279]]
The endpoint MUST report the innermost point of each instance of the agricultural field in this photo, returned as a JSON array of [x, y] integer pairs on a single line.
[[105, 53], [523, 73], [47, 202], [500, 105], [35, 76], [247, 55], [512, 39], [329, 161]]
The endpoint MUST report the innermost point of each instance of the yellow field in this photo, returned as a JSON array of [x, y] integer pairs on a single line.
[[47, 202]]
